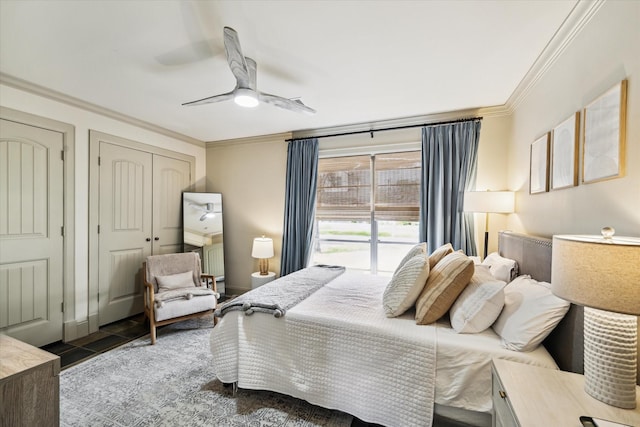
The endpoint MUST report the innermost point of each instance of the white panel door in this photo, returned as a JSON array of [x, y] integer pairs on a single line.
[[170, 178], [125, 229], [31, 241]]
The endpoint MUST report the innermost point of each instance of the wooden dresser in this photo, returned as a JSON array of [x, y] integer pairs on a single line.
[[29, 385]]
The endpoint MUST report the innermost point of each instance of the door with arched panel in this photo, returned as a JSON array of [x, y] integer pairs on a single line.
[[31, 233], [139, 198]]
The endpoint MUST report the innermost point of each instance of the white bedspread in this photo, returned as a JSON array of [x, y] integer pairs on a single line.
[[337, 349]]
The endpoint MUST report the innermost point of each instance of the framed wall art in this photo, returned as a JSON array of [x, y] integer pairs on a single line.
[[539, 165], [603, 150], [564, 153]]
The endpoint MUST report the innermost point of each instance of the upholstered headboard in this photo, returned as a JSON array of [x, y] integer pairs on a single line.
[[533, 254]]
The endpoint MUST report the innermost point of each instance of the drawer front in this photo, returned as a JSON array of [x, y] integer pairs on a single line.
[[502, 413]]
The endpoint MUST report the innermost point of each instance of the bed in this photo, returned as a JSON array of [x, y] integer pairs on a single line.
[[337, 349]]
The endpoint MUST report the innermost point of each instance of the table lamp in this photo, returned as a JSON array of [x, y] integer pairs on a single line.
[[263, 250], [489, 202], [602, 273]]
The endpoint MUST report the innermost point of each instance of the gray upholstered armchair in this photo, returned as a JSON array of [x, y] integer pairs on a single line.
[[175, 289]]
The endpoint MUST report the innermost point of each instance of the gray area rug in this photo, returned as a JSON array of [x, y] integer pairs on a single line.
[[173, 384]]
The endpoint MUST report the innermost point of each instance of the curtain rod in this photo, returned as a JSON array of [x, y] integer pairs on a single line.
[[371, 131]]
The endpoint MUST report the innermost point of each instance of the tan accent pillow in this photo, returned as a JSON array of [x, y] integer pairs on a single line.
[[175, 281], [446, 281], [439, 253], [405, 286]]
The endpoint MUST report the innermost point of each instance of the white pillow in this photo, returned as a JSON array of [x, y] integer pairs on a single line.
[[405, 286], [504, 269], [175, 281], [480, 304], [420, 248], [476, 259], [530, 313]]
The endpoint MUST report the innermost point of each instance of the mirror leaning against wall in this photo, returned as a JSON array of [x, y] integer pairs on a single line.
[[202, 225]]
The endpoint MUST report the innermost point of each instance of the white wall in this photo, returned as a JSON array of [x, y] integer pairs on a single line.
[[84, 120], [492, 174], [606, 51]]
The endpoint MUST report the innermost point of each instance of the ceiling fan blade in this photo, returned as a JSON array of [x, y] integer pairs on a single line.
[[287, 104], [211, 99], [235, 58], [253, 68]]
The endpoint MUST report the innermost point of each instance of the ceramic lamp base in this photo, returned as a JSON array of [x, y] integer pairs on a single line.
[[610, 341]]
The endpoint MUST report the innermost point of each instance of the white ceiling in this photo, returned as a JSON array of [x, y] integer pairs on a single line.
[[352, 61]]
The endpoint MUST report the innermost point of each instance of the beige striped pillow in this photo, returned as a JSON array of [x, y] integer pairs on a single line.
[[405, 286], [439, 253], [446, 281]]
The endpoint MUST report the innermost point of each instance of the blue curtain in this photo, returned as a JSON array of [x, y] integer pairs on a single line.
[[449, 163], [300, 204]]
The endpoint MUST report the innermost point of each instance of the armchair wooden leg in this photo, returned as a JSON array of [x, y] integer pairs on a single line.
[[153, 331]]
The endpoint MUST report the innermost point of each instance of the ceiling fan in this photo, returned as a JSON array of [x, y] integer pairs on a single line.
[[245, 92], [207, 208]]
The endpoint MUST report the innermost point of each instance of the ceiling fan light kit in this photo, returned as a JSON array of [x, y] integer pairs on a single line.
[[245, 93], [246, 98]]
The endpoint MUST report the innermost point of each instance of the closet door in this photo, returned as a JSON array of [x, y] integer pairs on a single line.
[[170, 178], [125, 235], [31, 241]]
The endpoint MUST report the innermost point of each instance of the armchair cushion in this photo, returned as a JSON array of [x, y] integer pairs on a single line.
[[183, 307], [175, 281]]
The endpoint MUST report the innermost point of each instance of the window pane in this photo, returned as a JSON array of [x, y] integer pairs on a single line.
[[397, 194], [398, 231], [344, 243], [344, 183], [344, 230], [354, 256], [389, 256], [395, 238]]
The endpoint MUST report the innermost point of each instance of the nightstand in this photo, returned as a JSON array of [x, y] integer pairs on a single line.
[[525, 395], [258, 280]]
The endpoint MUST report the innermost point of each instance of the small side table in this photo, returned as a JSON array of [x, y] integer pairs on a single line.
[[531, 396], [257, 280]]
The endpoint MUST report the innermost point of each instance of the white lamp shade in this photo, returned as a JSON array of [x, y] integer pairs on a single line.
[[597, 272], [262, 248], [489, 201]]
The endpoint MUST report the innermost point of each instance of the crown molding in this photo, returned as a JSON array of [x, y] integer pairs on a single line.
[[35, 89], [276, 137], [573, 24], [494, 111]]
